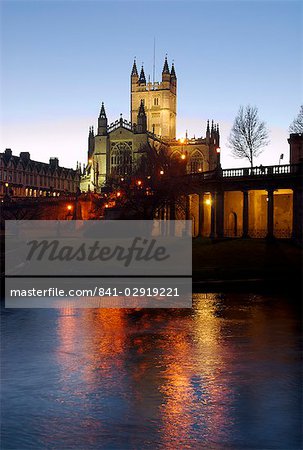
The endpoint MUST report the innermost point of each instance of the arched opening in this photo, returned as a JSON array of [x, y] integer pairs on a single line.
[[232, 224], [233, 213], [176, 155], [196, 162], [257, 216], [283, 213], [121, 159]]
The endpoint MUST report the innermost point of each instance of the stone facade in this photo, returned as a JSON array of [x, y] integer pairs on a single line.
[[296, 147], [20, 176], [116, 148], [159, 100]]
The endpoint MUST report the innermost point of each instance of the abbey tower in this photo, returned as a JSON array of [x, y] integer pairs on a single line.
[[159, 100], [116, 148]]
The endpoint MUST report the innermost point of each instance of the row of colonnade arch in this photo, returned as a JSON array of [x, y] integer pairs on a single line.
[[253, 213]]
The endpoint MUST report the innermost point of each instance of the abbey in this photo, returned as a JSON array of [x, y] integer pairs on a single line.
[[115, 149]]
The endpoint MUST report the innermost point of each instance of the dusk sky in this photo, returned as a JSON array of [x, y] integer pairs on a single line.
[[60, 59]]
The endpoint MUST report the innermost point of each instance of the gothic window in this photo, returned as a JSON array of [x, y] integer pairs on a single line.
[[176, 155], [121, 158], [156, 101], [196, 162]]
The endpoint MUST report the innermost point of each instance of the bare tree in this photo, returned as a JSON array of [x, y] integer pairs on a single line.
[[249, 135], [297, 124]]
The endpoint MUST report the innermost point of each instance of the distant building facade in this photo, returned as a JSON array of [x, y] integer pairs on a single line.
[[20, 176], [116, 148], [296, 148]]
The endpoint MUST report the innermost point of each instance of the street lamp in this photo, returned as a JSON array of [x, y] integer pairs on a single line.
[[6, 191], [161, 172], [69, 214]]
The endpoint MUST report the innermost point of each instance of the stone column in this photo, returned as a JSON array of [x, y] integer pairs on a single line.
[[270, 214], [297, 225], [201, 214], [245, 214], [213, 215], [219, 207]]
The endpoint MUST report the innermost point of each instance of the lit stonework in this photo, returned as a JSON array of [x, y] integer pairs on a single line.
[[20, 176], [159, 99], [116, 148]]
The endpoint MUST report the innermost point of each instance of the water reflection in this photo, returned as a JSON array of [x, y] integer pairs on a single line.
[[223, 374]]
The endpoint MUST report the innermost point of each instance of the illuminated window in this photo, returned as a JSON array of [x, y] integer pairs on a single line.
[[196, 162], [121, 158]]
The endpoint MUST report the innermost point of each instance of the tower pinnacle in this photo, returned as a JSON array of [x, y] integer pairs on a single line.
[[102, 122], [173, 73], [134, 69], [142, 79], [165, 67], [141, 119], [102, 112]]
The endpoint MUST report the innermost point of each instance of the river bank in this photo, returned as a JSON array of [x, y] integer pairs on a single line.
[[246, 262]]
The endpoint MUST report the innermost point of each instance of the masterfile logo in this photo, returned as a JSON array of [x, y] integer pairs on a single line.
[[139, 250], [98, 264]]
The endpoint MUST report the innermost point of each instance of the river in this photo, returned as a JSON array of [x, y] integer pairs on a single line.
[[225, 374]]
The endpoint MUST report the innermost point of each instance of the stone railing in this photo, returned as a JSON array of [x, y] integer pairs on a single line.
[[261, 171], [120, 123]]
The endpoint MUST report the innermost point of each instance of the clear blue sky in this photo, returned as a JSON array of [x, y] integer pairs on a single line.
[[60, 59]]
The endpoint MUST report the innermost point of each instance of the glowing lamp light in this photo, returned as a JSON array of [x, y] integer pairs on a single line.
[[148, 177], [139, 182], [208, 201], [183, 156], [161, 172], [6, 184], [106, 205], [182, 140], [90, 161], [199, 170], [118, 194], [122, 179], [69, 207], [218, 150]]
